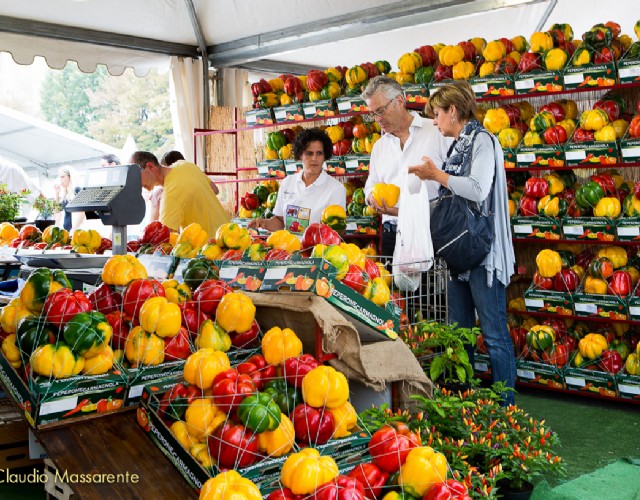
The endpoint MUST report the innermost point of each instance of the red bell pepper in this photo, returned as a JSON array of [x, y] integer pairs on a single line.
[[192, 316], [257, 368], [536, 187], [556, 109], [610, 107], [210, 293], [261, 87], [155, 233], [296, 368], [372, 478], [104, 299], [558, 326], [582, 135], [175, 401], [342, 147], [606, 182], [513, 112], [390, 445], [528, 206], [120, 324], [229, 389], [312, 425], [542, 282], [567, 280], [620, 284], [277, 254], [555, 135], [250, 201], [340, 488], [283, 493], [137, 292], [371, 269], [105, 244], [293, 88], [178, 347], [558, 355], [64, 304], [611, 361], [518, 338], [233, 446], [248, 339], [634, 126], [449, 490], [354, 278], [584, 258], [319, 234]]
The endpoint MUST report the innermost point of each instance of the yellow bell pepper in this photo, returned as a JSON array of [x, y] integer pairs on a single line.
[[494, 51], [335, 217], [284, 240], [285, 100], [11, 351], [333, 74], [386, 193], [479, 43], [236, 312], [173, 238], [620, 126], [8, 232], [176, 292], [276, 84], [354, 254], [592, 345], [55, 234], [595, 285], [408, 63], [594, 119], [100, 363], [540, 42], [230, 485], [333, 89], [355, 75], [450, 55], [180, 431], [325, 386], [304, 471], [556, 185], [285, 152], [201, 453], [211, 251], [377, 290], [211, 336], [279, 442], [86, 241], [617, 255], [203, 365], [487, 68], [579, 270], [335, 133], [279, 344], [143, 348], [568, 125], [184, 251], [607, 207], [159, 316], [120, 270], [56, 361], [463, 70], [549, 263], [384, 274], [314, 96], [202, 417], [271, 154], [555, 59], [423, 468], [369, 142], [233, 236], [496, 120], [606, 134], [194, 235], [549, 206], [632, 365], [517, 304], [509, 137], [12, 314], [570, 108], [532, 138], [345, 418], [243, 213]]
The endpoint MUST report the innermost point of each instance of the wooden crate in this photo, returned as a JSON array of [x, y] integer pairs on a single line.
[[14, 438]]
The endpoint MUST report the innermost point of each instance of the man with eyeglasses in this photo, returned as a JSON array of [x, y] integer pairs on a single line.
[[406, 139], [187, 196]]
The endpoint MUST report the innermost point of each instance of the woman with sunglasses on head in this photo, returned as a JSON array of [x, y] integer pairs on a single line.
[[474, 170], [406, 139], [303, 196]]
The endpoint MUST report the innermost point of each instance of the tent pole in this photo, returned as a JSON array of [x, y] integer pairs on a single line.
[[545, 16]]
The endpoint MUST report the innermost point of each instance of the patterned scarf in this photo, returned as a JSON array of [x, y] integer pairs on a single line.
[[458, 160]]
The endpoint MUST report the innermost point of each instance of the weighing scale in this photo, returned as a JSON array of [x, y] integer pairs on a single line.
[[115, 195]]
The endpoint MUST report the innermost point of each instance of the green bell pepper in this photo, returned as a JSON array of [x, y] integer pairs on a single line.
[[88, 333], [198, 270], [33, 332], [588, 195], [355, 209], [259, 413], [39, 285], [284, 395], [271, 200], [358, 196], [275, 140], [262, 192]]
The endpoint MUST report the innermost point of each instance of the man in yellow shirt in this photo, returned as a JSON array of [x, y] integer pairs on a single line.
[[187, 196]]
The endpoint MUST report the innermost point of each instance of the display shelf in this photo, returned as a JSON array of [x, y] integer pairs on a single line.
[[519, 97], [577, 242], [596, 319], [574, 167]]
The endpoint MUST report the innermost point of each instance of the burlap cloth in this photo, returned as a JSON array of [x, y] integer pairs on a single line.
[[375, 364]]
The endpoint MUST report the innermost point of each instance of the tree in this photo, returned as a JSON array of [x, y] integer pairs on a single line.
[[64, 98]]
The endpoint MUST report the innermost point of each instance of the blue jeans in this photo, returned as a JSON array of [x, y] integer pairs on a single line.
[[491, 304]]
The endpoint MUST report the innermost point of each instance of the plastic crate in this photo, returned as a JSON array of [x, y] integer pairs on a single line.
[[54, 487], [14, 438]]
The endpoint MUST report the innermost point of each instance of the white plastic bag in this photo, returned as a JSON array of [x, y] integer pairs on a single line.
[[413, 254]]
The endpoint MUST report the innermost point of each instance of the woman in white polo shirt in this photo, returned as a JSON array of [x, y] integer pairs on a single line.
[[303, 196]]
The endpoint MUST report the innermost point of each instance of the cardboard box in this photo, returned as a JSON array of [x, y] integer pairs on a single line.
[[289, 113], [482, 364], [591, 152], [357, 163], [46, 402], [548, 301], [510, 157], [540, 155], [138, 378], [351, 104], [533, 372], [633, 303], [160, 267], [590, 76], [589, 228], [292, 167], [628, 228], [336, 166], [319, 109], [416, 93], [600, 306], [262, 116], [591, 381], [545, 228], [433, 85], [242, 275], [628, 385], [271, 169], [493, 85], [538, 81], [630, 149], [361, 225], [629, 65]]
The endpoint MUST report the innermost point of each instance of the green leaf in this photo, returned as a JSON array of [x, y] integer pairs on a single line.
[[437, 367]]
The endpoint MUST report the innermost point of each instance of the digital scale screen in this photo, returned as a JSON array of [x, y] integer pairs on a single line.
[[106, 177]]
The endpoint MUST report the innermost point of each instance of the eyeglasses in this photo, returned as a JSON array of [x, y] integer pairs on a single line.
[[381, 110]]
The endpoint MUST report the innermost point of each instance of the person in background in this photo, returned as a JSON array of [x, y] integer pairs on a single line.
[[65, 191], [17, 180], [171, 157], [303, 196], [406, 139], [472, 164], [109, 160], [186, 196]]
